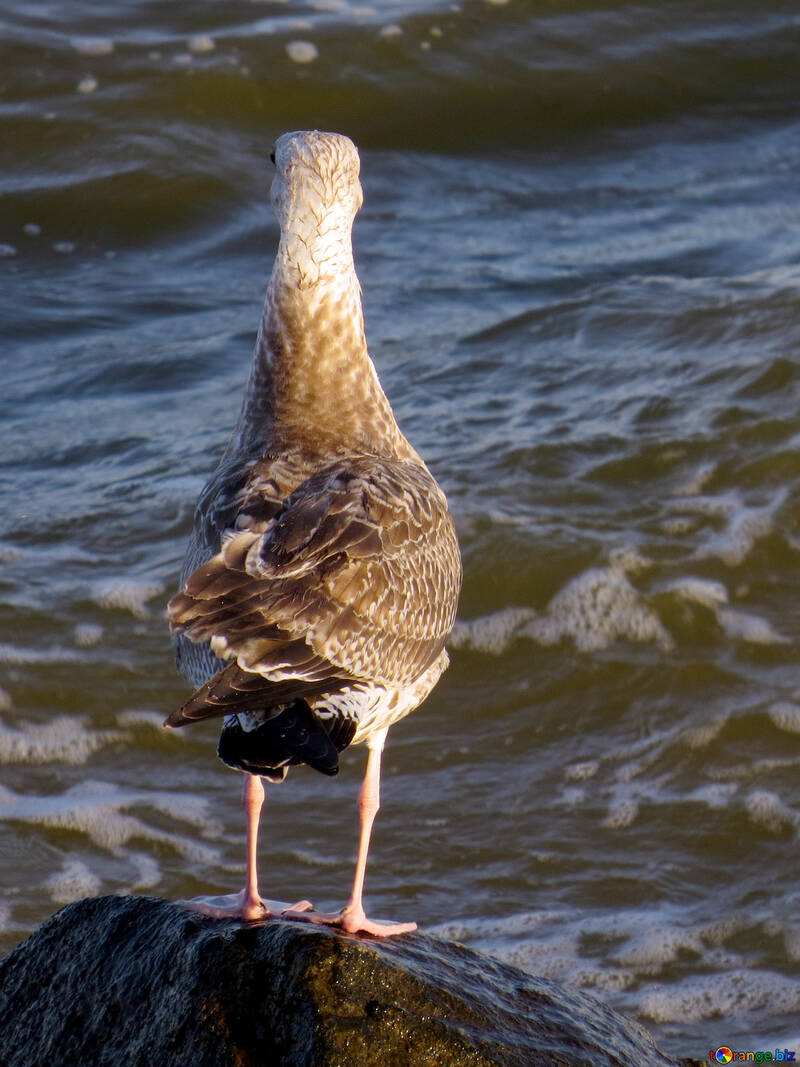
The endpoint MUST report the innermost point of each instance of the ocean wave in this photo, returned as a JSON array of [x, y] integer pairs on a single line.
[[594, 610], [601, 607], [99, 811], [416, 72], [72, 882], [126, 595], [63, 739], [705, 997], [745, 525], [643, 946]]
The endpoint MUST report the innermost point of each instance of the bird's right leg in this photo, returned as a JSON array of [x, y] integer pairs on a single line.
[[248, 904], [252, 906]]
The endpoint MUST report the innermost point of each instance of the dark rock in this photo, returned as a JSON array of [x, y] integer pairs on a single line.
[[135, 982]]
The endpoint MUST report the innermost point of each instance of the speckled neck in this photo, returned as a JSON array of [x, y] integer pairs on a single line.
[[313, 386]]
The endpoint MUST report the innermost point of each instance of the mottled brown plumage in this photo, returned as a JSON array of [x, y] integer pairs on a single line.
[[322, 577]]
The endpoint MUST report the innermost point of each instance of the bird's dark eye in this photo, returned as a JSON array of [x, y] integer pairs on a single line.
[[272, 155]]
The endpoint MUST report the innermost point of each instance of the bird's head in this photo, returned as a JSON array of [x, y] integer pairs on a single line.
[[316, 192]]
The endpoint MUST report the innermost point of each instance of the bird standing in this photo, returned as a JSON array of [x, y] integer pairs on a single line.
[[322, 576]]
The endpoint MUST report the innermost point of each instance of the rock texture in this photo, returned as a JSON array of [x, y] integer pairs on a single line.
[[138, 981]]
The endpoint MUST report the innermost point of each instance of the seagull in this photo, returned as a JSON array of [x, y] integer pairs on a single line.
[[322, 576]]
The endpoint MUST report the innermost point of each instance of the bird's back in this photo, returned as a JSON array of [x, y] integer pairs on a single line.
[[323, 567]]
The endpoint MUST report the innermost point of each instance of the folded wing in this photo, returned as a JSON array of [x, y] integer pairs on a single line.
[[355, 578]]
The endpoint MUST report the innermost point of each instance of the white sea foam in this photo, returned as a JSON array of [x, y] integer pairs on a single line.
[[148, 872], [621, 814], [76, 880], [93, 46], [314, 859], [652, 949], [73, 882], [643, 945], [749, 770], [715, 795], [786, 716], [710, 505], [201, 43], [596, 609], [302, 51], [750, 628], [628, 559], [629, 787], [710, 594], [767, 811], [791, 939], [704, 591], [97, 810], [579, 772], [127, 596], [676, 526], [744, 524], [490, 633], [63, 739], [702, 735], [54, 654], [706, 997], [698, 480], [88, 634], [147, 718], [547, 943]]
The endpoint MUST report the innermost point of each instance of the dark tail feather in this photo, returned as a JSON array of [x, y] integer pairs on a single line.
[[293, 736]]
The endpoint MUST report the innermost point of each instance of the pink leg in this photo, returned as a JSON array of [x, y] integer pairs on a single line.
[[253, 907], [247, 904], [352, 917]]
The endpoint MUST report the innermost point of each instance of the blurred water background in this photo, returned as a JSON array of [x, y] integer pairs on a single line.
[[580, 253]]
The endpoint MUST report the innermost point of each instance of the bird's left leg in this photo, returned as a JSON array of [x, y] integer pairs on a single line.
[[352, 918]]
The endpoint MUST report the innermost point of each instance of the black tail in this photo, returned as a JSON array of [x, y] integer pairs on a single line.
[[293, 736]]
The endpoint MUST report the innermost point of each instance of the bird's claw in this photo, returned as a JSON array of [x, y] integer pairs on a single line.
[[244, 907], [351, 920]]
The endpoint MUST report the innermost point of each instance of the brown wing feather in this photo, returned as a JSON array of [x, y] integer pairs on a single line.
[[236, 690], [355, 578]]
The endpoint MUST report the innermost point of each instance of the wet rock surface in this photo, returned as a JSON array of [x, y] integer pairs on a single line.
[[140, 981]]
